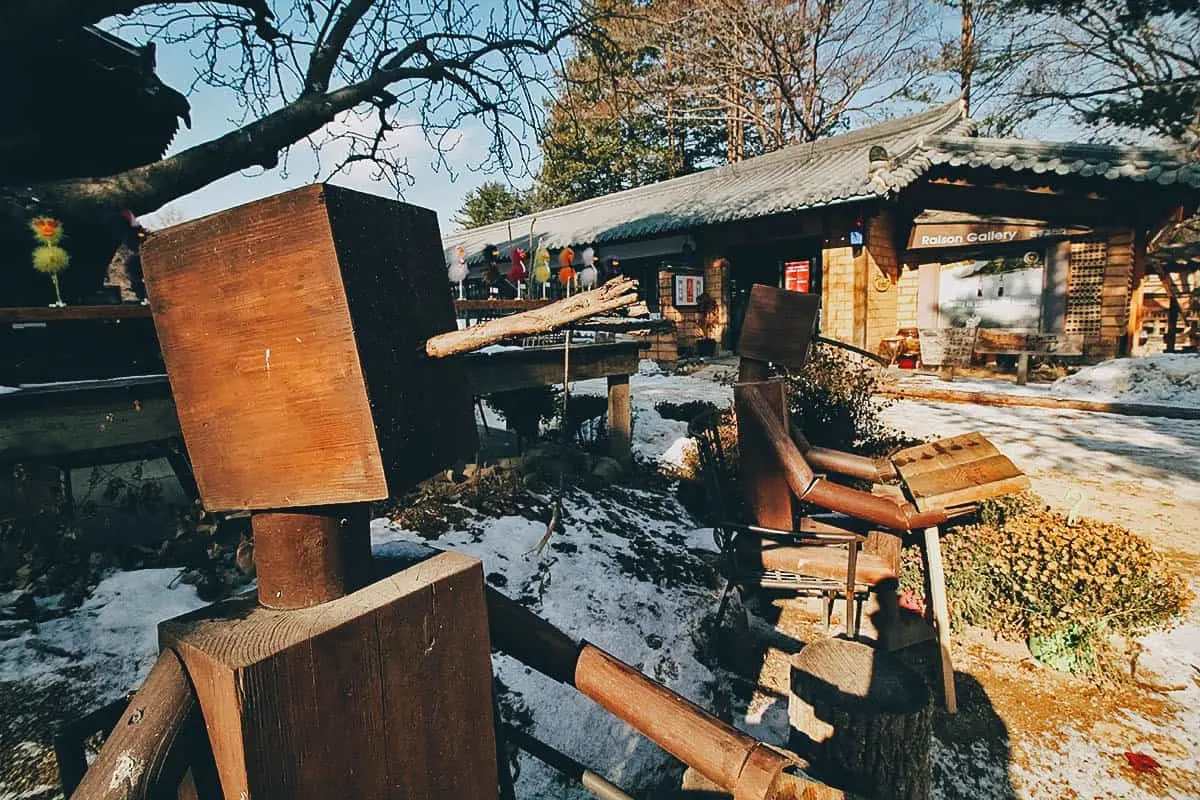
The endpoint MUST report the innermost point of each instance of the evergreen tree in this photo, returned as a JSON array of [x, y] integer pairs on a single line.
[[491, 202]]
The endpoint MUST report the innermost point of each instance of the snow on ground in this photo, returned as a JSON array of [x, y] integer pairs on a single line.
[[655, 439], [617, 574], [1166, 379], [113, 635], [1140, 472]]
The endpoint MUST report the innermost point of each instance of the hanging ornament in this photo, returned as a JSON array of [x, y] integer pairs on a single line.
[[517, 273], [48, 257], [541, 265], [566, 273], [457, 270], [491, 268], [588, 275]]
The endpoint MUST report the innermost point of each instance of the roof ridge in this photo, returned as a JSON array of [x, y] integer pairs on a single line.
[[843, 141]]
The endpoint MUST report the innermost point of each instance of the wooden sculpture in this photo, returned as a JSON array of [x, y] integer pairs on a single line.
[[304, 337]]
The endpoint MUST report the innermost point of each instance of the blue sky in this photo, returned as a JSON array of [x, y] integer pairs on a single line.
[[215, 112]]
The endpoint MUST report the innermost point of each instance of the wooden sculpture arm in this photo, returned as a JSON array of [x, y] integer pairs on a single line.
[[839, 462]]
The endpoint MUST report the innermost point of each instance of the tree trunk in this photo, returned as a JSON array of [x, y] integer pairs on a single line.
[[863, 719]]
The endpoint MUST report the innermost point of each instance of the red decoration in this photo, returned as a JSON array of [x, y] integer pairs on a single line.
[[1142, 763]]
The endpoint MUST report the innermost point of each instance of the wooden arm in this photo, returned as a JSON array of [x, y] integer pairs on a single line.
[[839, 462], [141, 757], [805, 484]]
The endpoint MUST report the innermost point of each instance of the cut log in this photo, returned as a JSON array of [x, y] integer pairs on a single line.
[[615, 294], [863, 719]]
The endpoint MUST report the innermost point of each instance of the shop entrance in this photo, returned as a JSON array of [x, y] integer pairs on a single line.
[[792, 264]]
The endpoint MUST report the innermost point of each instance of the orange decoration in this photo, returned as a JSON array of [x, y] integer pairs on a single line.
[[565, 257], [566, 275]]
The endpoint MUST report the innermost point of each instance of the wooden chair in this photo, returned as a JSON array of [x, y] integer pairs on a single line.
[[822, 558]]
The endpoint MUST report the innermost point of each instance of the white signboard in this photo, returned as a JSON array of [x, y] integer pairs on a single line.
[[688, 289], [947, 347], [992, 293]]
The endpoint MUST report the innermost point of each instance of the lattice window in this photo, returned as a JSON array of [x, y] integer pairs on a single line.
[[1085, 284]]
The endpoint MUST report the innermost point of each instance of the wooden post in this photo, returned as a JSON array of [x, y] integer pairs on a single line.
[[863, 719], [941, 612], [1172, 323], [765, 485], [1023, 368], [141, 758], [620, 420]]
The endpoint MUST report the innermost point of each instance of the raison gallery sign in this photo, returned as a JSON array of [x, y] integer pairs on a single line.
[[930, 235]]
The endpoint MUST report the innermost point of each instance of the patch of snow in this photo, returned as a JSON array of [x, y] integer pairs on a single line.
[[8, 389], [499, 348], [649, 367], [113, 635], [1171, 379], [655, 439], [608, 576]]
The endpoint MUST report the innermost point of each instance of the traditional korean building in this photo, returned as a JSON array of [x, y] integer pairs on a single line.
[[912, 223]]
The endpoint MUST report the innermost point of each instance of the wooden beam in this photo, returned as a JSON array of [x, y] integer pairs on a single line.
[[1052, 207], [113, 312], [70, 421], [141, 757], [519, 369]]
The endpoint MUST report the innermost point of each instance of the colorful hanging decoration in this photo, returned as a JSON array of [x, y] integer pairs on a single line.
[[566, 273], [588, 275], [518, 272], [457, 270], [48, 257], [541, 265]]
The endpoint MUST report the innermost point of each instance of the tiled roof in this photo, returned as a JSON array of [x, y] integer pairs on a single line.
[[1086, 160], [830, 171], [827, 172]]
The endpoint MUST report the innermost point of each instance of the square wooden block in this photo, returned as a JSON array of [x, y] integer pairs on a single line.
[[292, 331], [386, 692], [778, 326]]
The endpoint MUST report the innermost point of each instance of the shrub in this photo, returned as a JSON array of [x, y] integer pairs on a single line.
[[685, 411], [1066, 589], [525, 410], [833, 401]]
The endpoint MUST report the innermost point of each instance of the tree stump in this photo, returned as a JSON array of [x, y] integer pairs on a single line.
[[863, 719]]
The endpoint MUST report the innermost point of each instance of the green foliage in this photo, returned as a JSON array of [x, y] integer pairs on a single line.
[[1067, 589], [833, 401], [491, 202]]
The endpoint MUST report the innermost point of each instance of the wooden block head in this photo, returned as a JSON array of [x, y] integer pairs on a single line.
[[291, 329], [778, 326]]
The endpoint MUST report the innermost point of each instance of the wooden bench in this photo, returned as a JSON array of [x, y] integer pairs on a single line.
[[1023, 345]]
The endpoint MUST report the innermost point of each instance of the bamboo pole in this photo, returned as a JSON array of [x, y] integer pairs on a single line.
[[615, 294], [733, 760]]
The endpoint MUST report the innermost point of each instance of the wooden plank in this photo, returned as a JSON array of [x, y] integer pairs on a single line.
[[1035, 401], [764, 482], [26, 314], [956, 471], [399, 706], [290, 328], [947, 347], [778, 326], [462, 307], [620, 420], [78, 425], [519, 369]]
